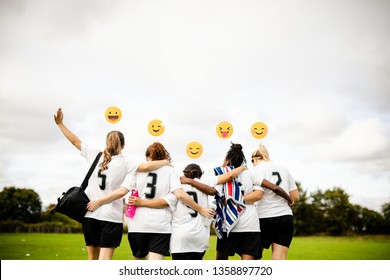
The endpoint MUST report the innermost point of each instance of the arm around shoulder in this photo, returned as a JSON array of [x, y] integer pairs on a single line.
[[152, 165], [277, 190], [198, 185], [118, 193]]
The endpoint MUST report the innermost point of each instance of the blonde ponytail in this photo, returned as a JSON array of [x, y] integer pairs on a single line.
[[115, 142], [262, 153]]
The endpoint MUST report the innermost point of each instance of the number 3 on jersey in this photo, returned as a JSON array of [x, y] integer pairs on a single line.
[[151, 186]]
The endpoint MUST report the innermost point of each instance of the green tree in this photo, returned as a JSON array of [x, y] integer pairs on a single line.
[[338, 212], [386, 214], [368, 221], [20, 204], [308, 218]]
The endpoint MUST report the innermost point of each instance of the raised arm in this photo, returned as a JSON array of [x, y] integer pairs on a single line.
[[187, 200], [58, 118], [118, 193]]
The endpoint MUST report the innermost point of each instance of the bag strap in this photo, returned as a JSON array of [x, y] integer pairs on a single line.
[[84, 184]]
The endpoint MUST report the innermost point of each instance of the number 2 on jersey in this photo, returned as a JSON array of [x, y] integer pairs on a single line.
[[279, 178]]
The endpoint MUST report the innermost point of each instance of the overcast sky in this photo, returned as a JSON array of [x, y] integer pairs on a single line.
[[317, 73]]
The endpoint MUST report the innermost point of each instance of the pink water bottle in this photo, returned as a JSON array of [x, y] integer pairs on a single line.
[[130, 211]]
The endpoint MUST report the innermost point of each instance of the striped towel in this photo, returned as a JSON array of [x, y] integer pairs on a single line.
[[230, 204]]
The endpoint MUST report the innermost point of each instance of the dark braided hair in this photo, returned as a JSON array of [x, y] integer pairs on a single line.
[[235, 156]]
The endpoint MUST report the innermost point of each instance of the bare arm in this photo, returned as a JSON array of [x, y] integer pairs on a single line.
[[95, 204], [151, 203], [200, 186], [152, 165], [226, 177], [294, 195], [254, 196], [58, 118], [221, 179], [187, 200], [277, 190]]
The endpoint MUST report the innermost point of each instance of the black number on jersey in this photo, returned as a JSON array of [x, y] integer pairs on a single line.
[[103, 176], [195, 198], [242, 191], [279, 178], [151, 185]]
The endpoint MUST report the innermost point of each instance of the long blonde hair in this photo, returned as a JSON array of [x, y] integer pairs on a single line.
[[115, 142], [262, 153]]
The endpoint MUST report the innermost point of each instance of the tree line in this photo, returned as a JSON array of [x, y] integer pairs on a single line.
[[326, 212]]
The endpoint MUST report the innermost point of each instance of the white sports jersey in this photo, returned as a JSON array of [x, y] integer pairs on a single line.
[[273, 205], [248, 221], [151, 185], [105, 182], [189, 233]]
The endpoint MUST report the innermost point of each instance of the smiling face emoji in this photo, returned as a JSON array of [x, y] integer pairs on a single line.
[[113, 114], [259, 130], [224, 130], [194, 150], [156, 128]]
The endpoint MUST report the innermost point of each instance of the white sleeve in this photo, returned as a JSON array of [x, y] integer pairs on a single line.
[[172, 200], [131, 166], [130, 181], [292, 185], [174, 181], [257, 187], [209, 180], [88, 152], [257, 177]]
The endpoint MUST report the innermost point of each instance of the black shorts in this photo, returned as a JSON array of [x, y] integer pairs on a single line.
[[102, 233], [188, 256], [141, 243], [279, 230], [247, 243]]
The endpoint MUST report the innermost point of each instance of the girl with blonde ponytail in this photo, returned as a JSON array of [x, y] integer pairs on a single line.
[[103, 226], [115, 143], [275, 215]]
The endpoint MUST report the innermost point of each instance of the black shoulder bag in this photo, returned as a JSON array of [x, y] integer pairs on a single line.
[[73, 202]]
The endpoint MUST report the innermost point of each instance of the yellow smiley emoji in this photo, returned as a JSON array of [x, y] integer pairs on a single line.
[[194, 150], [224, 130], [113, 114], [259, 130], [156, 128]]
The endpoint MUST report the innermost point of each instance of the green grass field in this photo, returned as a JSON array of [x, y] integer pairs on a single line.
[[41, 246]]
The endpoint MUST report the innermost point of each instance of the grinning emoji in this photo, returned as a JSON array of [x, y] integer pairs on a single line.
[[156, 128], [194, 150], [224, 130], [259, 130], [113, 114]]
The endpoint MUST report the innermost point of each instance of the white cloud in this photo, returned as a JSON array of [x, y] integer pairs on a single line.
[[361, 140]]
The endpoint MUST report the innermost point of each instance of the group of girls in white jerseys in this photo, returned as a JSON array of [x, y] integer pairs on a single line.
[[173, 212]]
